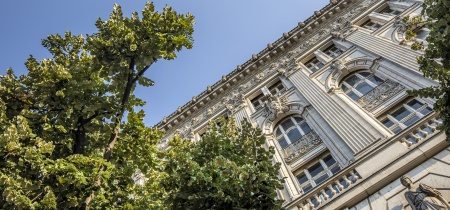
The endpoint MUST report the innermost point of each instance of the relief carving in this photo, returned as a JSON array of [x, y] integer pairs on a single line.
[[423, 197], [299, 148], [380, 94], [275, 105]]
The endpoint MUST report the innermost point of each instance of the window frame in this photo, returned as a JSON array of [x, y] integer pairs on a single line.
[[413, 112], [371, 25], [312, 180], [362, 79], [313, 66], [333, 54], [261, 98], [284, 133]]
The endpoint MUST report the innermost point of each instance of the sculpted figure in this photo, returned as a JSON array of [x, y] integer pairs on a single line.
[[423, 197]]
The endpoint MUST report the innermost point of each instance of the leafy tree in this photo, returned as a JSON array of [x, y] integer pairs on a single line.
[[62, 136], [228, 169], [435, 63]]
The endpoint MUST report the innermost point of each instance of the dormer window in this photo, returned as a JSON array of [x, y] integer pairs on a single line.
[[333, 51], [371, 25], [314, 64]]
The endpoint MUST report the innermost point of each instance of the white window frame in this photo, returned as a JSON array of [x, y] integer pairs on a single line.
[[326, 170], [362, 79], [285, 132], [313, 67], [414, 112]]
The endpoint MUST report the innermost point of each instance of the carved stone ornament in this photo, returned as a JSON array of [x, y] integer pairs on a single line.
[[423, 197], [234, 101], [275, 105], [341, 30], [299, 148], [398, 23], [337, 68], [380, 94]]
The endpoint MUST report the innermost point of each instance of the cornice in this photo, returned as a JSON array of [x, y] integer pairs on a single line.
[[306, 33]]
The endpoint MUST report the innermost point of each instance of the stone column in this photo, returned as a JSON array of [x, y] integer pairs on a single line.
[[354, 130]]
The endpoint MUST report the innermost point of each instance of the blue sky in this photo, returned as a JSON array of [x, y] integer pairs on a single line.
[[226, 34]]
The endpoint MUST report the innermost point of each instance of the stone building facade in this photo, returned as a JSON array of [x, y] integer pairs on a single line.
[[330, 96]]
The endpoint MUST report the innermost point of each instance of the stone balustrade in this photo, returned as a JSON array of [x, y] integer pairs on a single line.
[[326, 191], [421, 131]]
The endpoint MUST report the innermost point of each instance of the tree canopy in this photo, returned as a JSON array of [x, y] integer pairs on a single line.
[[229, 168], [63, 141], [435, 63]]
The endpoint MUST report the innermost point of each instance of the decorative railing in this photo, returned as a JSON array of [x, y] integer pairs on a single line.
[[422, 131], [380, 94], [326, 191], [302, 146]]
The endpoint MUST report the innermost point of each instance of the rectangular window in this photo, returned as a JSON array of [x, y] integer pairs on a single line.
[[258, 102], [314, 64], [318, 172], [371, 25], [406, 115], [389, 11], [333, 51], [277, 88]]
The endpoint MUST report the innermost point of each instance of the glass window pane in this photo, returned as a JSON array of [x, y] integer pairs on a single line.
[[415, 104], [401, 113], [411, 121], [353, 96], [376, 80], [287, 124], [335, 169], [315, 169], [365, 74], [283, 143], [344, 88], [302, 178], [278, 132], [364, 88], [298, 119], [307, 188], [397, 129], [305, 128], [321, 179], [426, 110], [294, 135], [387, 122], [352, 80], [329, 160]]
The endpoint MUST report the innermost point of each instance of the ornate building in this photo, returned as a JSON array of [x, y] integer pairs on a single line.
[[330, 96]]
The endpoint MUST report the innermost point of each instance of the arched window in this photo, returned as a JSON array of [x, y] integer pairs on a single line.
[[290, 130], [360, 83]]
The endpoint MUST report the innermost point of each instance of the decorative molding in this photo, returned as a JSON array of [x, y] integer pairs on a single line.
[[284, 65], [380, 94], [234, 101], [274, 106], [342, 30], [302, 146]]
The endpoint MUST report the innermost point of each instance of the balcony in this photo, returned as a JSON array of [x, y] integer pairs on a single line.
[[302, 146], [380, 94]]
